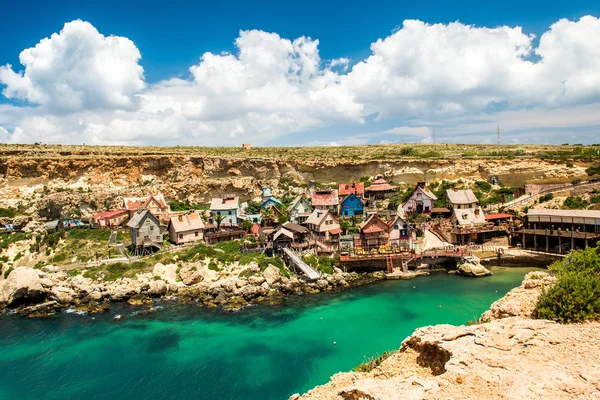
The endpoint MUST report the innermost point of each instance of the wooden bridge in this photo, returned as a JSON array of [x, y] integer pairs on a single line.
[[405, 258], [294, 259]]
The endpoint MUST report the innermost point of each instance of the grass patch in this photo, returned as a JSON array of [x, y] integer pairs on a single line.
[[6, 239], [7, 272], [373, 362]]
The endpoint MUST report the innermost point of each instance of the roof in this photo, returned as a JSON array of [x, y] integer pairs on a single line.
[[295, 227], [110, 213], [425, 191], [352, 195], [271, 200], [395, 219], [325, 198], [591, 217], [230, 203], [188, 222], [380, 185], [498, 216], [469, 216], [373, 224], [134, 203], [283, 231], [316, 217], [440, 210], [461, 196], [357, 188], [335, 231], [138, 218]]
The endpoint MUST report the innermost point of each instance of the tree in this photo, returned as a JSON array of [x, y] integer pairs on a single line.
[[394, 202], [282, 220], [218, 219], [246, 224], [268, 216], [345, 225], [253, 207]]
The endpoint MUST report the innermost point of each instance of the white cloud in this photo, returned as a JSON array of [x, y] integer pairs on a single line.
[[84, 87], [77, 69]]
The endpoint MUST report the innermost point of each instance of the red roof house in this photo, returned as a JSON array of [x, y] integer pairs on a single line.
[[111, 218], [326, 199], [357, 188], [380, 188]]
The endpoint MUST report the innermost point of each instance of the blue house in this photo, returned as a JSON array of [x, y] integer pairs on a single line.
[[268, 200], [351, 205]]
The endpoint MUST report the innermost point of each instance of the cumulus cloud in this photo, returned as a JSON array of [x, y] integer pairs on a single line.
[[84, 87], [77, 69]]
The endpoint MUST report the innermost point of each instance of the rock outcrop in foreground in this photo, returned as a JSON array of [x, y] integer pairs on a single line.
[[514, 357]]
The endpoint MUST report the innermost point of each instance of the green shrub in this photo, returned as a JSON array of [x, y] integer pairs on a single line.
[[9, 212], [483, 185], [595, 199], [17, 256], [576, 295], [546, 197], [213, 266], [574, 203], [591, 171], [246, 273]]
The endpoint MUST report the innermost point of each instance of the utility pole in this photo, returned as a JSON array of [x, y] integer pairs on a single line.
[[498, 134]]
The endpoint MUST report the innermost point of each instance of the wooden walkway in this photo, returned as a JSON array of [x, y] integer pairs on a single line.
[[300, 264]]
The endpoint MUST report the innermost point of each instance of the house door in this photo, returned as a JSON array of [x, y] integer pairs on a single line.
[[419, 208]]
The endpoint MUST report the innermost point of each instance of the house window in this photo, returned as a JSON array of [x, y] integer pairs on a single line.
[[181, 236], [151, 227], [196, 233], [396, 226]]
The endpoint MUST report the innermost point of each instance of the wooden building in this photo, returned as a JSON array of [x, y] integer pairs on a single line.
[[185, 228], [356, 188], [351, 205], [111, 218], [228, 207], [156, 204], [326, 200], [325, 230], [421, 200], [145, 231], [560, 230], [380, 189], [299, 210], [374, 233]]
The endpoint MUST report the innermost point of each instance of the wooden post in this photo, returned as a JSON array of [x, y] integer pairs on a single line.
[[547, 244], [535, 236]]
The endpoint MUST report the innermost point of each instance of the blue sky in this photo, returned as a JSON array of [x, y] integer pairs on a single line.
[[332, 104]]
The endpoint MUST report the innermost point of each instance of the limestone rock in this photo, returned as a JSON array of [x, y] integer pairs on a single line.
[[167, 273], [157, 288], [473, 269], [191, 275], [521, 301], [22, 286], [256, 280], [272, 275]]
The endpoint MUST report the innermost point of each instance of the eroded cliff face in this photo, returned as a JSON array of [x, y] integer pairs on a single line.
[[512, 356], [98, 178]]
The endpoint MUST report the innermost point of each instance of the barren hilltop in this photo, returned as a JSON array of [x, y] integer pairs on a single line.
[[95, 175]]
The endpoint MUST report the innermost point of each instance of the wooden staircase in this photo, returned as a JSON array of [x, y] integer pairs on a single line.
[[390, 264]]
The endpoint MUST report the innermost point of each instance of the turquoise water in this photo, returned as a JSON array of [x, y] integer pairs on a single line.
[[262, 352]]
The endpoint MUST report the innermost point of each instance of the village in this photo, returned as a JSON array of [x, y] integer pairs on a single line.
[[365, 226]]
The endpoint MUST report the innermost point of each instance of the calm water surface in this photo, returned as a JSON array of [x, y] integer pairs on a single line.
[[263, 352]]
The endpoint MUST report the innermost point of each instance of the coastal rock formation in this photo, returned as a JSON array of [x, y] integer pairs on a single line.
[[520, 302], [22, 286], [473, 269], [507, 358], [167, 273]]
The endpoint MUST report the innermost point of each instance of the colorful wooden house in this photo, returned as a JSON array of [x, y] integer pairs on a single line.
[[111, 218], [325, 229], [421, 200], [357, 188], [373, 233], [326, 200], [299, 210], [228, 207], [185, 228], [268, 200], [156, 204], [380, 189], [399, 233], [351, 205]]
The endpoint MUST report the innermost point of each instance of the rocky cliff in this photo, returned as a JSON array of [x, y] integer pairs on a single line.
[[511, 356], [196, 175]]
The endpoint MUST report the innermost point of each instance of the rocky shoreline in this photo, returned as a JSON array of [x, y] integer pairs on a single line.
[[40, 293], [507, 355]]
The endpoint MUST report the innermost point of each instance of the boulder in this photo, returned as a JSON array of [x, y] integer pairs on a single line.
[[473, 269], [62, 294], [191, 275], [22, 286], [167, 273], [322, 284], [39, 310], [250, 292], [272, 275], [256, 280], [157, 288]]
